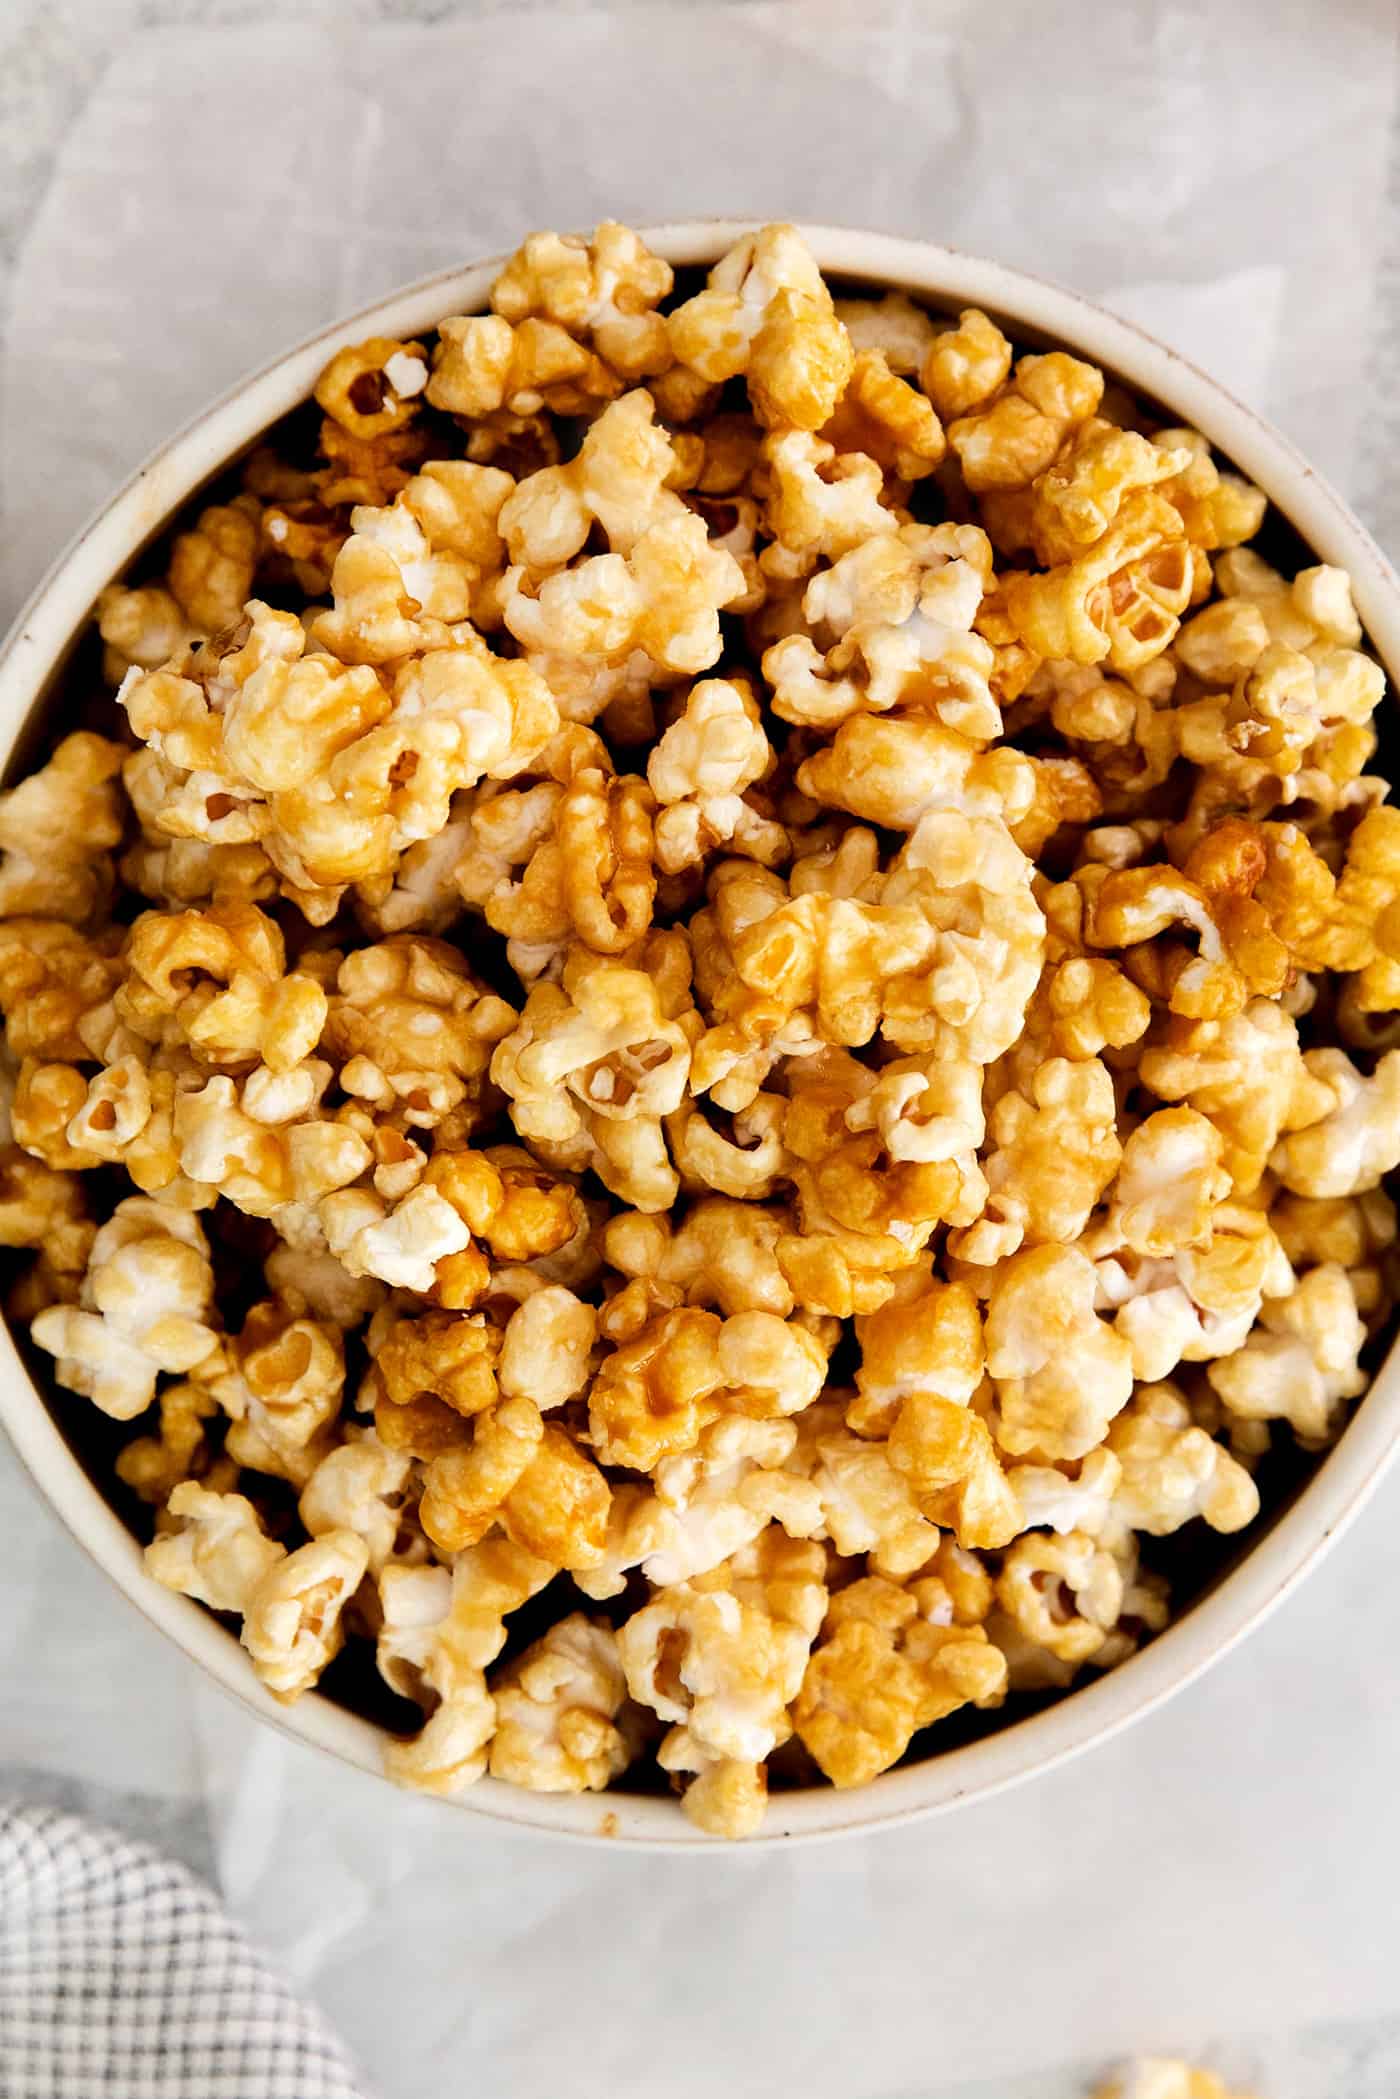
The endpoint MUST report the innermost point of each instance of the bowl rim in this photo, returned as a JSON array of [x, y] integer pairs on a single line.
[[58, 611]]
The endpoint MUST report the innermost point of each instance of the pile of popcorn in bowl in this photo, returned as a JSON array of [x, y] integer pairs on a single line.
[[710, 1029]]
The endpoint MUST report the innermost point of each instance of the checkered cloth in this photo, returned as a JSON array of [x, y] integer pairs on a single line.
[[122, 1978]]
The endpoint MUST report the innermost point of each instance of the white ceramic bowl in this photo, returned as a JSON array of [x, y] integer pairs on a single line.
[[30, 667]]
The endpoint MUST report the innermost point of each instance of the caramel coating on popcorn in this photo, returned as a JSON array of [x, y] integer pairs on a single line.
[[740, 957], [891, 1661]]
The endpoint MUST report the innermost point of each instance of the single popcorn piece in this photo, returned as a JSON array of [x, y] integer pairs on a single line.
[[1062, 1594], [57, 831], [901, 331], [1055, 1152], [902, 606], [1158, 2077], [591, 1067], [1013, 436], [722, 1658], [441, 1630], [653, 1396], [219, 1554], [718, 1496], [1300, 1363], [767, 314], [413, 1029], [146, 1307], [886, 419], [288, 1374], [926, 1340], [866, 1504], [699, 771], [1172, 1470], [290, 1602], [292, 1621], [373, 386], [965, 365], [1060, 1371], [891, 1661], [1197, 1303], [607, 288], [359, 1486], [1355, 1141], [1075, 1496], [1170, 1182], [723, 1253], [562, 1724]]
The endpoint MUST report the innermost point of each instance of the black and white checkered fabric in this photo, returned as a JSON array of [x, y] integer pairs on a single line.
[[122, 1978]]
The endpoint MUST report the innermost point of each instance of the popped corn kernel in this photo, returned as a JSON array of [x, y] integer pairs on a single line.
[[484, 363], [154, 1466], [1062, 1594], [722, 1253], [965, 365], [57, 830], [1300, 1363], [375, 386], [1005, 441], [654, 1395], [723, 1657], [1158, 2077], [220, 1552], [608, 288], [212, 566], [1061, 1373], [146, 1307], [1349, 1145], [945, 1450], [288, 1374], [888, 420], [1171, 1470], [1170, 1182], [562, 1724], [927, 1339], [1055, 1151], [413, 1028], [698, 773], [819, 502], [901, 607], [361, 1486], [889, 1663], [894, 325], [766, 313], [292, 1621], [856, 1496]]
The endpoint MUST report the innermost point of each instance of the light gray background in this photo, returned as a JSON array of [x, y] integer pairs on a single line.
[[186, 187]]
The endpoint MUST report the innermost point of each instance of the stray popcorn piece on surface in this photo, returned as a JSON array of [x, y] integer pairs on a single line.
[[849, 803], [1162, 2077]]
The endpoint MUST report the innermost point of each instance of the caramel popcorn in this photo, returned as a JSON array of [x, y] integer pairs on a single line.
[[891, 1661], [1157, 2077], [738, 959], [290, 1602], [558, 1711]]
